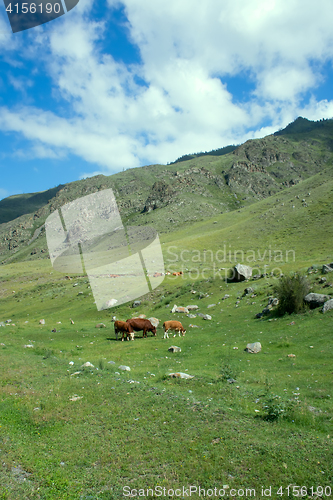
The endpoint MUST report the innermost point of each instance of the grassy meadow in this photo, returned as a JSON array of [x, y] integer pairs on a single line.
[[244, 421]]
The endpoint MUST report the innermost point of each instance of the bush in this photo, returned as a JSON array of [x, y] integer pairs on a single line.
[[275, 407], [291, 291]]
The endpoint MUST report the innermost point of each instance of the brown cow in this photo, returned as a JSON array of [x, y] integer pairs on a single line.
[[123, 327], [176, 326], [138, 324]]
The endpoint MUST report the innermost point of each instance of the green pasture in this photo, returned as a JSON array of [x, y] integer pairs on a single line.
[[87, 435]]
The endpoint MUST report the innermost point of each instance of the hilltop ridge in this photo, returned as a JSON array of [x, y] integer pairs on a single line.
[[182, 193]]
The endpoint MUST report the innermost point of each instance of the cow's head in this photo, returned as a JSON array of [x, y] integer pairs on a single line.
[[154, 330], [131, 336]]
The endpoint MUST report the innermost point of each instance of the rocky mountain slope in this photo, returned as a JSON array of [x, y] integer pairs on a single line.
[[171, 196]]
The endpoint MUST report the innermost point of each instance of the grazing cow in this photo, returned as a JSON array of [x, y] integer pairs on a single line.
[[176, 326], [138, 324], [123, 327]]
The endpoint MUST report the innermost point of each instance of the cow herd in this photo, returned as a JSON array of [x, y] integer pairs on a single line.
[[130, 326]]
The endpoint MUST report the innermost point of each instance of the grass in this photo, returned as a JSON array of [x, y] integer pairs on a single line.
[[212, 432], [67, 435]]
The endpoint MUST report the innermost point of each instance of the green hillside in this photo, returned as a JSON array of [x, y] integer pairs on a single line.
[[244, 422]]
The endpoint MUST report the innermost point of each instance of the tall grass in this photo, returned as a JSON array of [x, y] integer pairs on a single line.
[[291, 291]]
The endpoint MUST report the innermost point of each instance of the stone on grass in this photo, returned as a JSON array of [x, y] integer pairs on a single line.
[[136, 303], [242, 273], [124, 368], [327, 306], [191, 316], [206, 316], [100, 325], [327, 268], [192, 307], [253, 348], [316, 299], [154, 321], [180, 375], [174, 348], [179, 309], [42, 321], [211, 305], [87, 365]]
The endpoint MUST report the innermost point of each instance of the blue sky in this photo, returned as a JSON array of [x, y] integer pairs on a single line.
[[114, 85]]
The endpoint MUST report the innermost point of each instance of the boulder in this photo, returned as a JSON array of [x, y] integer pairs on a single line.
[[87, 365], [191, 316], [206, 316], [174, 348], [327, 306], [253, 348], [316, 299], [136, 303], [154, 321], [241, 272], [124, 368], [327, 268], [177, 309], [192, 307], [180, 375]]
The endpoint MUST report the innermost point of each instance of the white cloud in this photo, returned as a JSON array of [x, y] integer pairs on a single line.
[[187, 48]]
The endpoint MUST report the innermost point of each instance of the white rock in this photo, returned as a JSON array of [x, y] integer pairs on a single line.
[[125, 368], [87, 365]]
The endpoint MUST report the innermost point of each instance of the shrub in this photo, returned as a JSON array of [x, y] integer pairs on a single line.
[[275, 408], [291, 291]]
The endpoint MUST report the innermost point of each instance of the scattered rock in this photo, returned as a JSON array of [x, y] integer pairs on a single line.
[[111, 362], [192, 307], [225, 297], [291, 356], [87, 365], [28, 345], [259, 315], [191, 316], [206, 316], [248, 290], [100, 325], [75, 397], [125, 368], [316, 299], [322, 280], [180, 375], [193, 326], [154, 321], [54, 330], [327, 268], [231, 380], [136, 303], [8, 321], [42, 321], [179, 309], [241, 272], [211, 305], [253, 348], [174, 348], [327, 306]]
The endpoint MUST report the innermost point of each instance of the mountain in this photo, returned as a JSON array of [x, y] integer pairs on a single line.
[[180, 194]]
